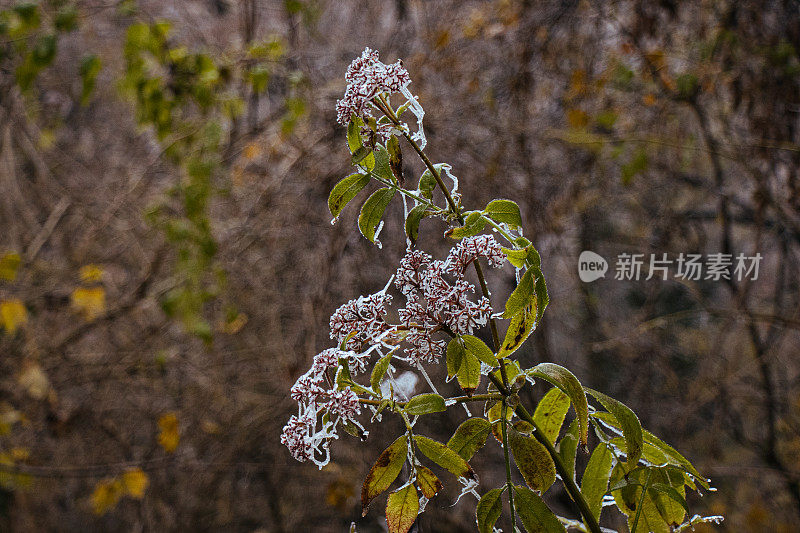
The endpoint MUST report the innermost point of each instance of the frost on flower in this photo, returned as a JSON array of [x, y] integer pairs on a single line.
[[320, 410], [364, 318], [437, 295], [438, 298], [368, 77]]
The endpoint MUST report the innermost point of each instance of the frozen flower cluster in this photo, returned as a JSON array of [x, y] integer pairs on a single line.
[[308, 434], [361, 321], [367, 77], [437, 295], [437, 300]]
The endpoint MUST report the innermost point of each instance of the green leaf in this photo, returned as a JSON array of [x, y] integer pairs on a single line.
[[382, 168], [542, 297], [45, 50], [454, 357], [344, 191], [473, 224], [504, 211], [594, 482], [384, 471], [516, 257], [444, 457], [427, 183], [469, 374], [518, 331], [402, 508], [469, 437], [658, 452], [636, 165], [534, 513], [66, 19], [488, 511], [568, 447], [567, 382], [494, 412], [90, 68], [478, 348], [550, 413], [378, 371], [667, 511], [521, 296], [423, 404], [361, 154], [627, 483], [533, 460], [372, 212], [629, 422], [675, 458], [427, 482], [413, 219]]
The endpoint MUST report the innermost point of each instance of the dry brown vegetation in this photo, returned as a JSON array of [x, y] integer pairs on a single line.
[[629, 126]]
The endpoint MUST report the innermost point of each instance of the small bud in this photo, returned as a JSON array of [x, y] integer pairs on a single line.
[[519, 381], [512, 401]]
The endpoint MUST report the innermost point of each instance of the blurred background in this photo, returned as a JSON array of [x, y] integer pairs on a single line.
[[168, 266]]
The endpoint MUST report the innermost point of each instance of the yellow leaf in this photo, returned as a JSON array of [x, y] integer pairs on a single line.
[[251, 151], [34, 380], [9, 264], [169, 436], [90, 273], [106, 495], [577, 118], [8, 417], [12, 315], [135, 482], [234, 325], [89, 301], [20, 454]]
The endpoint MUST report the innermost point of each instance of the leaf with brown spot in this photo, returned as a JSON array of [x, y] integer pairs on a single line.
[[384, 471], [550, 413], [518, 330], [533, 460], [427, 482], [344, 191]]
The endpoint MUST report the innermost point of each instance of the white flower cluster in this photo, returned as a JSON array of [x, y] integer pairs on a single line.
[[362, 320], [437, 299], [305, 440], [368, 77], [433, 303]]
